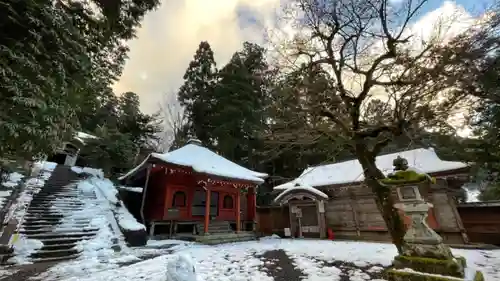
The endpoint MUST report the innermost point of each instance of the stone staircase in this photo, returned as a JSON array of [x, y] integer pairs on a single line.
[[44, 217], [215, 227], [221, 232]]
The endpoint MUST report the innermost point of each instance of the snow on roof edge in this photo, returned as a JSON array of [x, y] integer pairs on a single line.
[[297, 185], [445, 167], [135, 169], [253, 176]]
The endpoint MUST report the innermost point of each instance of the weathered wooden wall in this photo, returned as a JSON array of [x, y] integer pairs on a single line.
[[353, 214], [482, 222], [272, 220]]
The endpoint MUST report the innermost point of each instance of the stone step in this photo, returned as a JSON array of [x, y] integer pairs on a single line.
[[58, 190], [41, 260], [51, 226], [61, 193], [54, 253], [54, 209], [62, 240], [44, 215], [58, 230], [58, 204], [63, 234], [226, 238], [35, 220], [59, 246], [51, 200]]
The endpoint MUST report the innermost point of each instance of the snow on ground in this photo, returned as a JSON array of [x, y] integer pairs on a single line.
[[23, 247], [8, 185], [242, 261], [95, 172], [105, 212], [13, 180]]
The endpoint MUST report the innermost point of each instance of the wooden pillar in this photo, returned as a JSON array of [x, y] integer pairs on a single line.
[[144, 190], [238, 211], [251, 204], [207, 211], [320, 205]]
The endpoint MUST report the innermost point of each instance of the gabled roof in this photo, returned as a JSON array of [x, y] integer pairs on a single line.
[[298, 187], [203, 160], [424, 160]]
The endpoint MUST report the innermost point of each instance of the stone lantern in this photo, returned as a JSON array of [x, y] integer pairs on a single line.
[[423, 249]]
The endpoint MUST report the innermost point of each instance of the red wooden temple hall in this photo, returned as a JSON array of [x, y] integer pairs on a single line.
[[184, 190]]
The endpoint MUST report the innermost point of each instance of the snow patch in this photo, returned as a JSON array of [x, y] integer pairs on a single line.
[[131, 189], [23, 248], [45, 166], [237, 261], [181, 268], [13, 180], [91, 171]]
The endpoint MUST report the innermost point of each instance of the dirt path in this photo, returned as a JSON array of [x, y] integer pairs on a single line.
[[25, 272], [278, 265], [281, 267]]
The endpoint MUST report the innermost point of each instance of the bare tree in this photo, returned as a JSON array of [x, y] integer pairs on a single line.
[[174, 120], [369, 49]]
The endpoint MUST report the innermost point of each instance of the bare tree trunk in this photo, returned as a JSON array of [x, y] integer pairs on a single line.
[[385, 202]]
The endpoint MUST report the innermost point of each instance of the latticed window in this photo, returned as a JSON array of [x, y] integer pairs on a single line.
[[179, 199], [228, 202]]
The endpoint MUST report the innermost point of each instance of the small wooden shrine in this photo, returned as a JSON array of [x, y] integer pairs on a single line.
[[192, 186]]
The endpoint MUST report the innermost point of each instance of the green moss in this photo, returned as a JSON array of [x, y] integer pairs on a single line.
[[405, 177], [479, 276], [394, 275], [462, 261], [429, 265]]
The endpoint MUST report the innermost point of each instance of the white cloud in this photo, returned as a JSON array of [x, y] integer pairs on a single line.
[[170, 35]]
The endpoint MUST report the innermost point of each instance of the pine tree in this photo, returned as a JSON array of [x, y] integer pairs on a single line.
[[196, 93]]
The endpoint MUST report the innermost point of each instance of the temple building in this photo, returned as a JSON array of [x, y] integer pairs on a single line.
[[192, 191], [334, 197]]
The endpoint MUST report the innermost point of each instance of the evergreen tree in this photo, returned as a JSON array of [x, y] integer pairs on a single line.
[[239, 102], [44, 64], [196, 94]]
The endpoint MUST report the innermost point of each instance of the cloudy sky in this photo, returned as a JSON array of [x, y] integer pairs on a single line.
[[170, 35]]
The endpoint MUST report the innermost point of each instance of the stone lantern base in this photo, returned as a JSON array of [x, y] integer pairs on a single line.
[[426, 269]]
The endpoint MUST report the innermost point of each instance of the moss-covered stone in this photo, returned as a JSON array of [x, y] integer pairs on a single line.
[[479, 276], [462, 261], [447, 267], [397, 275], [408, 176]]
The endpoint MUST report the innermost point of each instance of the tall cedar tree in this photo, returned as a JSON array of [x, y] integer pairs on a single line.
[[239, 102], [196, 94], [61, 59]]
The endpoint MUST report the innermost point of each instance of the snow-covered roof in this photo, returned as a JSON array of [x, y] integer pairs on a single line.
[[301, 186], [81, 136], [203, 160], [425, 160]]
